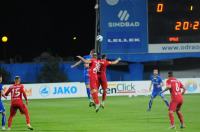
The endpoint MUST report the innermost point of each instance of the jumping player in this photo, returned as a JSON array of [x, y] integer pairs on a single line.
[[102, 79], [86, 75], [2, 108], [176, 89], [17, 91], [157, 83], [93, 69]]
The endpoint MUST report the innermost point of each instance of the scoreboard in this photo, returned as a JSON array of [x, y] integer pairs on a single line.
[[174, 26], [150, 26], [174, 21]]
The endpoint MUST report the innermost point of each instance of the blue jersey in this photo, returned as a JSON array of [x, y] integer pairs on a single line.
[[156, 82], [2, 108], [1, 88], [86, 69]]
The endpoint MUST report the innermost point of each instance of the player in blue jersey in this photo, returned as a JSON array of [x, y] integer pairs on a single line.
[[157, 83], [2, 108], [86, 75]]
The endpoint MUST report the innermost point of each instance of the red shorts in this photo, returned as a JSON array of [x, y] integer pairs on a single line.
[[175, 105], [22, 108], [103, 82], [94, 83]]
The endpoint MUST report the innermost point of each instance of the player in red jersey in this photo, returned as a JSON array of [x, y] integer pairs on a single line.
[[102, 79], [176, 90], [17, 91], [93, 69]]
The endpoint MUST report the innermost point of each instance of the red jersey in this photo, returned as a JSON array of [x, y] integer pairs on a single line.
[[16, 90], [94, 68], [104, 63], [175, 88]]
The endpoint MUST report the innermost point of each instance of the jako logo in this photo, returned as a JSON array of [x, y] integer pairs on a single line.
[[44, 91], [123, 15], [65, 90]]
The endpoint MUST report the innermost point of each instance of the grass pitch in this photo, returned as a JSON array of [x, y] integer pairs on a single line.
[[121, 114]]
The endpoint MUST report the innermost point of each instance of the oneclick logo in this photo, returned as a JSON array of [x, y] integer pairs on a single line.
[[112, 2], [123, 15]]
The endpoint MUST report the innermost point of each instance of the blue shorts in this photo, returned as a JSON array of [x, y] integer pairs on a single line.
[[86, 79], [2, 108], [157, 93]]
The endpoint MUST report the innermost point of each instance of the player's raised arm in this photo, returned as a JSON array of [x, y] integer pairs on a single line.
[[7, 92], [84, 60], [76, 64], [116, 61]]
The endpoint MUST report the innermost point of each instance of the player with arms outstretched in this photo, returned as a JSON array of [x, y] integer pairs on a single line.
[[176, 89], [86, 75], [102, 79], [157, 83], [93, 69], [17, 91], [2, 108]]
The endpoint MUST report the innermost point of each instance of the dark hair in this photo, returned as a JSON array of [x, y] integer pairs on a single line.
[[92, 51], [103, 56], [1, 75], [156, 68], [170, 74]]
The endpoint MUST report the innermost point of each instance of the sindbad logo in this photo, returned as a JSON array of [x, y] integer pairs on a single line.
[[191, 86]]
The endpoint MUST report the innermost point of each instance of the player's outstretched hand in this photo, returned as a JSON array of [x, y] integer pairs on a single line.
[[27, 102], [78, 56], [72, 66]]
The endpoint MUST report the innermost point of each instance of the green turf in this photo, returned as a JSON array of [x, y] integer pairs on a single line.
[[121, 114]]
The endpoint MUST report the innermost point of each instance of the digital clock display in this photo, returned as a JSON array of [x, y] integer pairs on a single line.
[[174, 21]]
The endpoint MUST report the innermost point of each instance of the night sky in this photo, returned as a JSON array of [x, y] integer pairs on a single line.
[[34, 26]]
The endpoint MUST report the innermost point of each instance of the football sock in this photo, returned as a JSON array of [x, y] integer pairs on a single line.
[[180, 117], [95, 98], [171, 117], [104, 95], [88, 93], [150, 103], [3, 119], [166, 102]]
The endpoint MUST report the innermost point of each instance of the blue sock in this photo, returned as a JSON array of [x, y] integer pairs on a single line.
[[150, 103], [166, 102], [3, 119], [88, 93]]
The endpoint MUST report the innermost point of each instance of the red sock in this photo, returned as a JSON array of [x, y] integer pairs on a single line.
[[95, 98], [171, 117], [27, 116], [10, 121], [104, 95], [180, 116]]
